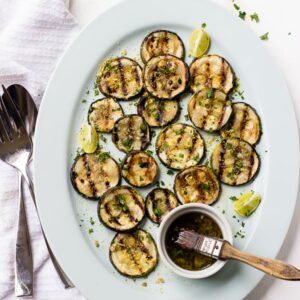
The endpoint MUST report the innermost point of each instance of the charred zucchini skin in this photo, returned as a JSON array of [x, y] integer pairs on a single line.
[[259, 120], [141, 105], [122, 98], [72, 178], [91, 110], [147, 199], [252, 178], [125, 161], [115, 133], [219, 128], [106, 225], [172, 168], [209, 55], [157, 31], [187, 76], [143, 274], [219, 188]]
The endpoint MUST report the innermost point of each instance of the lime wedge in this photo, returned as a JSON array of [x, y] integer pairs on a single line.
[[247, 203], [199, 42], [88, 138]]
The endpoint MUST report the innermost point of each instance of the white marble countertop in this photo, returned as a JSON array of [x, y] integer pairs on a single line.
[[278, 18]]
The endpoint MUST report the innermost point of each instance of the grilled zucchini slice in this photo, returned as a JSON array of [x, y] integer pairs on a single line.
[[211, 71], [209, 110], [235, 161], [161, 42], [244, 124], [139, 169], [197, 184], [133, 254], [166, 76], [93, 174], [120, 78], [131, 132], [103, 114], [121, 208], [179, 146], [157, 113], [158, 204]]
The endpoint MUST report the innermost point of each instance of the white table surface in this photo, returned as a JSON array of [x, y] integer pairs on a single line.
[[278, 18]]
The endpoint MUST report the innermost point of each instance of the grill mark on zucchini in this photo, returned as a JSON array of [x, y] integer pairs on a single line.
[[121, 208], [211, 71], [161, 42], [244, 123], [88, 175], [122, 77], [221, 162], [130, 133], [237, 164], [134, 254], [222, 115], [197, 184], [179, 146]]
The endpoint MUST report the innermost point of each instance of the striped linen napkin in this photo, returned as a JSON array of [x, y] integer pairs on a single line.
[[33, 35]]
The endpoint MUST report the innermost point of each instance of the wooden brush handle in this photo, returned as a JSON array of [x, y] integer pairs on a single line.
[[272, 267]]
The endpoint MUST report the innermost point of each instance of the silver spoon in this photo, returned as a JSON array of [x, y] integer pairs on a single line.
[[23, 259]]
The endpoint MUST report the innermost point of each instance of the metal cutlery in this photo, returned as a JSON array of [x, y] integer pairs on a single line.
[[16, 150]]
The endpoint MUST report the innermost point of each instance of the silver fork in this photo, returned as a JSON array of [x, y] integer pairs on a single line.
[[16, 150]]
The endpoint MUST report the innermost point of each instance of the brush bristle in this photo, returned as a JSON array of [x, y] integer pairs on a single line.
[[187, 238]]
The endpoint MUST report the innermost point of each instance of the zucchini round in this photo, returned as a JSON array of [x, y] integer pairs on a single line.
[[158, 204], [179, 146], [166, 76], [133, 254], [197, 184], [139, 169], [161, 42], [104, 113], [131, 132], [235, 161], [120, 78], [244, 124], [209, 110], [211, 71], [157, 113], [93, 174], [121, 208]]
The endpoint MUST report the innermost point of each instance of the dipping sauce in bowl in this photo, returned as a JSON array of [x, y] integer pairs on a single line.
[[189, 259]]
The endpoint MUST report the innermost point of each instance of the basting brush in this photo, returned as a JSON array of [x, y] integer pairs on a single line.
[[222, 249]]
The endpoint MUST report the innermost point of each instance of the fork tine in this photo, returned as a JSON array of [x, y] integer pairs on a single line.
[[3, 134], [8, 102], [15, 112], [5, 122]]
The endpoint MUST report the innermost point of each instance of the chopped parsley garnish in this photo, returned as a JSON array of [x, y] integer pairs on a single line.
[[127, 143], [289, 33], [92, 221], [203, 25], [91, 230], [103, 138], [149, 152], [233, 198], [96, 92], [181, 155], [242, 15], [265, 36], [165, 70], [153, 133], [206, 187], [186, 117], [103, 156], [210, 94], [157, 211], [254, 17], [170, 172], [236, 6], [143, 127], [83, 101], [162, 183], [196, 157]]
